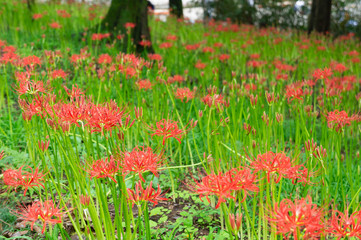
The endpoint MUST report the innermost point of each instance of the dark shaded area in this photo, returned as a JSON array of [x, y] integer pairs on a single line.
[[320, 16], [176, 8], [129, 11]]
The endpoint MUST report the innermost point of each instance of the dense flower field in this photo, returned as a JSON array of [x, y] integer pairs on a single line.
[[226, 132]]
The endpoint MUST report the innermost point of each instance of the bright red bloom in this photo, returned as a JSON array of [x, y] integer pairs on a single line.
[[207, 50], [168, 129], [30, 61], [144, 84], [166, 45], [200, 65], [302, 215], [338, 119], [63, 13], [30, 87], [58, 73], [106, 117], [140, 161], [129, 25], [15, 178], [45, 211], [245, 180], [341, 225], [104, 59], [175, 78], [220, 185], [149, 194], [103, 168], [55, 25], [294, 92], [214, 100], [274, 164], [223, 57], [37, 16], [191, 47], [183, 93], [322, 74], [171, 37], [145, 43], [155, 57]]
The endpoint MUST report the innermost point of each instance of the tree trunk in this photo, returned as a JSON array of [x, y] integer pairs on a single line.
[[30, 4], [129, 11], [176, 8], [320, 16]]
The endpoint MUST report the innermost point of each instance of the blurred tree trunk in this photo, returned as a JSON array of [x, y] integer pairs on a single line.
[[30, 4], [176, 8], [129, 11], [320, 16]]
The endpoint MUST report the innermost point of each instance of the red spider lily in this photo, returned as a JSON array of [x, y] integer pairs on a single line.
[[293, 92], [2, 154], [129, 25], [30, 61], [302, 215], [63, 13], [43, 146], [341, 225], [44, 211], [339, 67], [149, 194], [274, 164], [84, 200], [73, 113], [23, 76], [145, 43], [301, 174], [75, 92], [220, 185], [37, 16], [168, 129], [175, 78], [104, 59], [183, 93], [191, 47], [59, 73], [207, 50], [105, 117], [200, 65], [103, 168], [253, 100], [171, 37], [236, 222], [322, 74], [223, 57], [338, 119], [99, 36], [166, 45], [144, 84], [140, 161], [9, 57], [138, 112], [214, 100], [320, 152], [245, 180], [15, 178], [55, 25], [155, 57], [30, 87]]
